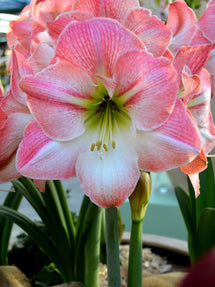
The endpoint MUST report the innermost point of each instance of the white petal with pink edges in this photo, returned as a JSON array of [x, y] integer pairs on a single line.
[[170, 145], [110, 178], [39, 157]]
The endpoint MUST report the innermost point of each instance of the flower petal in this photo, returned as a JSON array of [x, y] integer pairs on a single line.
[[207, 21], [197, 165], [8, 170], [175, 143], [57, 26], [46, 10], [55, 96], [151, 30], [39, 157], [147, 87], [96, 44], [109, 178], [182, 23], [11, 135], [194, 57]]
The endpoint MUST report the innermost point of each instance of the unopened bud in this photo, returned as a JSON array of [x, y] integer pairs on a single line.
[[140, 197]]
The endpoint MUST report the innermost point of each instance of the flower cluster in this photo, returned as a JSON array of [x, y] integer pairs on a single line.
[[102, 89]]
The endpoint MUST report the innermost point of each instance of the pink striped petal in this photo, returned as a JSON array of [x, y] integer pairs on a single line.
[[55, 97], [207, 21], [39, 157], [210, 67], [41, 57], [147, 87], [96, 44], [10, 105], [194, 57], [199, 104], [11, 135], [57, 26], [47, 10], [191, 85], [182, 23], [110, 178], [151, 30], [194, 178], [8, 170], [208, 134], [94, 7], [119, 9], [20, 30], [115, 9], [197, 165], [20, 67], [171, 145]]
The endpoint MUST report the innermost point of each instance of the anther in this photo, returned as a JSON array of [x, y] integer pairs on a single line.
[[98, 144], [113, 144], [105, 147], [92, 147]]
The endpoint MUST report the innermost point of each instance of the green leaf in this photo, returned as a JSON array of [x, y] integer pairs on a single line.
[[188, 214], [13, 200], [206, 231], [40, 237], [207, 190]]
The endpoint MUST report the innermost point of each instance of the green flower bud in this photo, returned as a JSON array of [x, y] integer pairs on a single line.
[[140, 197]]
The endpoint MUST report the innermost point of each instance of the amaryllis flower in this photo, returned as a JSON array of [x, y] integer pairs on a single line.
[[104, 109], [14, 117]]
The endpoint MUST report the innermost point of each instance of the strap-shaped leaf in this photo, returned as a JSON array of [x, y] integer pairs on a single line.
[[40, 237], [206, 231], [13, 200], [188, 214], [207, 189]]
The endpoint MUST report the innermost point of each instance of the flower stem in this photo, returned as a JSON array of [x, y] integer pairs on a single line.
[[112, 246], [135, 255], [92, 251]]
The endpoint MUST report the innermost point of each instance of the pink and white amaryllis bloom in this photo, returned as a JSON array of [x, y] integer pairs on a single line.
[[104, 109], [14, 117]]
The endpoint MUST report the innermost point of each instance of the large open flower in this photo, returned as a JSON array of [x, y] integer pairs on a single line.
[[103, 110]]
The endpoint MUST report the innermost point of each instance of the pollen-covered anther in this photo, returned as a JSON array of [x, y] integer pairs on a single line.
[[105, 147], [113, 144], [98, 145]]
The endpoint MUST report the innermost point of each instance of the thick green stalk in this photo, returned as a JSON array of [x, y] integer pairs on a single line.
[[92, 251], [135, 255], [112, 245]]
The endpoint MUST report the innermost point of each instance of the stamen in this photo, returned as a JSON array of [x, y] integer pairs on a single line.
[[98, 144], [92, 147], [113, 144], [105, 147]]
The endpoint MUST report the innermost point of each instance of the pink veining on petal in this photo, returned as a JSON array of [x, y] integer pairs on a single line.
[[151, 30], [57, 26], [149, 85], [207, 21], [170, 145], [63, 87], [194, 57], [182, 23], [96, 44], [39, 157]]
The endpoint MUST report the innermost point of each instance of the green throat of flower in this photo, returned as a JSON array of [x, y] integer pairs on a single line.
[[105, 115]]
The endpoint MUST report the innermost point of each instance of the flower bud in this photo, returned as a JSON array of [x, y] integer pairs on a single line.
[[140, 197]]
